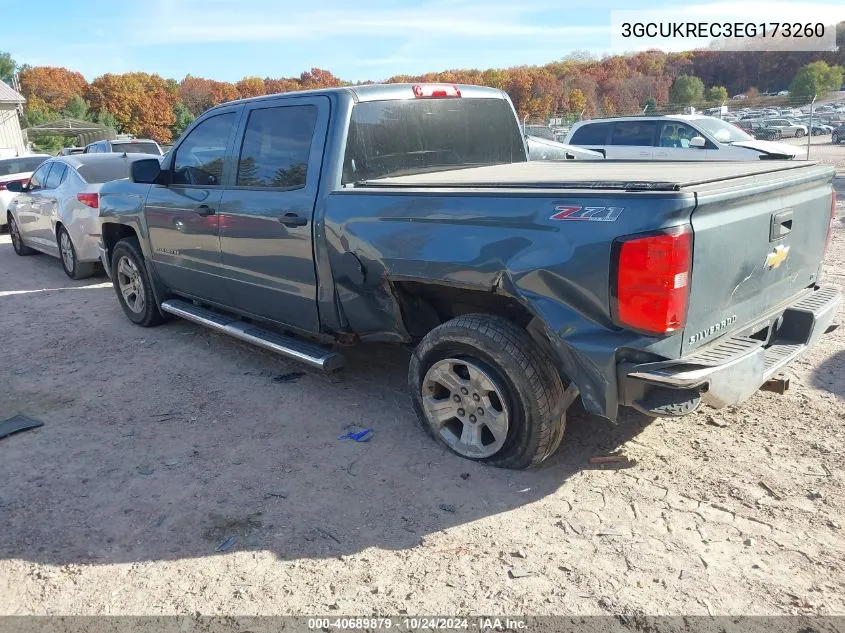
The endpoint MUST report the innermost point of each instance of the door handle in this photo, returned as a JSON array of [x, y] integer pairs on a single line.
[[781, 225], [292, 219], [204, 210]]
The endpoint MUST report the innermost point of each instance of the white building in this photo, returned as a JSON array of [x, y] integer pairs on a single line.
[[11, 139]]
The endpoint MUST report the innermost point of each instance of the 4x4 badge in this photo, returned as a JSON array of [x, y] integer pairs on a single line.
[[587, 214]]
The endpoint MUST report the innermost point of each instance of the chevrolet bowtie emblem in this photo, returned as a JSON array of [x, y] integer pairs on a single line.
[[777, 257]]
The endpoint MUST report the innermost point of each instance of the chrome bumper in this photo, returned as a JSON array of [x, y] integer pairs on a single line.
[[731, 370]]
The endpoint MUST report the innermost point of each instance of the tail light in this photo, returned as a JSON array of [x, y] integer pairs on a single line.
[[652, 280], [89, 199], [435, 91], [830, 226]]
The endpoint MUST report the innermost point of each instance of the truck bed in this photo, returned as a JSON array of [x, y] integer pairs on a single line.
[[612, 175]]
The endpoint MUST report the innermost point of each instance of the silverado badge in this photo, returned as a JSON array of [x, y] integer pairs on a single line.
[[777, 256]]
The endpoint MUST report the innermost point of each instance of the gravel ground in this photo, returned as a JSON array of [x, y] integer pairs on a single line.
[[179, 471]]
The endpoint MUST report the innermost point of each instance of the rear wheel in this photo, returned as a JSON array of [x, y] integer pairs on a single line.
[[482, 388], [132, 284], [17, 242], [70, 263]]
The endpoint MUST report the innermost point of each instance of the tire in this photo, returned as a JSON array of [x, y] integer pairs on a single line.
[[503, 372], [799, 133], [17, 243], [67, 255], [131, 282]]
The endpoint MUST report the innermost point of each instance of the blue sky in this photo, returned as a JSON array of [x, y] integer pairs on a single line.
[[355, 39]]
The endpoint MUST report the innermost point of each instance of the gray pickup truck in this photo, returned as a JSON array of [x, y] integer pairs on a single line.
[[410, 214]]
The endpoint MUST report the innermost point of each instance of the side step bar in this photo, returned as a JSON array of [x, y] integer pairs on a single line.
[[302, 351]]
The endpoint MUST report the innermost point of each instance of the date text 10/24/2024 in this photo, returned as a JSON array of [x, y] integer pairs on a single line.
[[418, 624]]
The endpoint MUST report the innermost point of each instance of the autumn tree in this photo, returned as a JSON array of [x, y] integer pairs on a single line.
[[55, 86], [37, 111], [7, 67], [816, 79], [318, 78], [141, 103], [251, 87], [276, 86], [718, 93], [686, 90]]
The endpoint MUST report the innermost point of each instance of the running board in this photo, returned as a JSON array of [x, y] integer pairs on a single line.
[[295, 349]]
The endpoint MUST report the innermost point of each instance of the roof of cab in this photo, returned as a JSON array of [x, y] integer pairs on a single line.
[[381, 92]]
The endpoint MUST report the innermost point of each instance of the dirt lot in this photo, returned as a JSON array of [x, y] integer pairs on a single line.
[[161, 446]]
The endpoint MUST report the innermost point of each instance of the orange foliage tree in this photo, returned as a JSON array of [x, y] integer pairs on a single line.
[[54, 86], [251, 87], [142, 104]]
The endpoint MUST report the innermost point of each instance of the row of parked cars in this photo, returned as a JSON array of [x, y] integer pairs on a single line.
[[50, 204]]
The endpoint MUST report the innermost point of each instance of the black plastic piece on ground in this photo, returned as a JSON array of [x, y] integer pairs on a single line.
[[16, 424]]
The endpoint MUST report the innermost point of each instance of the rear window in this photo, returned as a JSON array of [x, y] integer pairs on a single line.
[[135, 148], [590, 134], [390, 138], [104, 171], [20, 165]]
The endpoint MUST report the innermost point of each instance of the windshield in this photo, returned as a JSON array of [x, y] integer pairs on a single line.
[[135, 148], [21, 165], [414, 136], [722, 131]]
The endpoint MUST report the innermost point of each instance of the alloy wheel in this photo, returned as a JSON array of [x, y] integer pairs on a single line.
[[131, 285]]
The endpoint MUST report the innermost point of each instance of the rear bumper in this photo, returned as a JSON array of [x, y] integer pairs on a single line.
[[732, 369]]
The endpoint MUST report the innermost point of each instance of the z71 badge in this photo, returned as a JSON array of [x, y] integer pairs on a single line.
[[587, 214]]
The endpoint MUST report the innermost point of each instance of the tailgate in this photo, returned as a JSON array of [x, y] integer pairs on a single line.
[[757, 243]]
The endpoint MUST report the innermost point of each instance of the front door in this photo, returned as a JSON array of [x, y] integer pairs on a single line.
[[182, 216], [673, 144], [266, 215], [27, 206]]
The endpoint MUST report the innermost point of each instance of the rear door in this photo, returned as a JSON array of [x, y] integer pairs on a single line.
[[48, 205], [266, 215], [594, 136], [632, 140], [182, 216]]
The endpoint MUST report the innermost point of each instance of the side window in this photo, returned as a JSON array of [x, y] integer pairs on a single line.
[[36, 181], [56, 177], [199, 159], [639, 133], [591, 134], [676, 135], [275, 148]]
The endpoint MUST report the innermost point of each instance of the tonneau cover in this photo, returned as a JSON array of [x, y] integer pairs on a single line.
[[625, 175]]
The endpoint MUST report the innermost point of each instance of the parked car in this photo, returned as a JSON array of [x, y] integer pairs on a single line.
[[17, 169], [411, 214], [56, 209], [787, 127], [544, 149], [126, 146], [783, 93], [673, 137], [838, 135], [758, 130], [70, 151]]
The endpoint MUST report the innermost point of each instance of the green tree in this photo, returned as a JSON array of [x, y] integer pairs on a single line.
[[7, 67], [104, 117], [816, 79], [76, 108], [650, 105], [686, 90], [718, 93], [183, 119]]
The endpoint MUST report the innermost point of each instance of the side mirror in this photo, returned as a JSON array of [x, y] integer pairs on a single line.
[[697, 141], [16, 186], [145, 171]]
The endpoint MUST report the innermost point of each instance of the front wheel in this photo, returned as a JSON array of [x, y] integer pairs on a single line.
[[17, 241], [132, 284], [799, 133], [482, 388]]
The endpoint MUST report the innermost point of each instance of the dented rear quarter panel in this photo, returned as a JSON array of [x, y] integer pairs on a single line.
[[505, 242]]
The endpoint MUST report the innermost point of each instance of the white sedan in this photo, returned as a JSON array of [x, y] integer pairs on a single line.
[[57, 210], [17, 169]]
